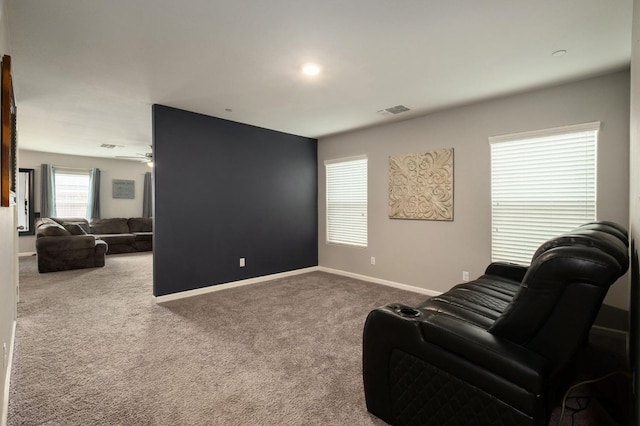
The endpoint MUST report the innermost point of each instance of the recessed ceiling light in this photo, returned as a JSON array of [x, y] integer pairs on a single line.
[[559, 53], [311, 69]]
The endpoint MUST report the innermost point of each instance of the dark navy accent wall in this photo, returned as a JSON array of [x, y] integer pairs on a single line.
[[225, 190]]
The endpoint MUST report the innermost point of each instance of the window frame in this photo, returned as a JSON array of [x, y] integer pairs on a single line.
[[335, 236], [521, 244], [71, 171]]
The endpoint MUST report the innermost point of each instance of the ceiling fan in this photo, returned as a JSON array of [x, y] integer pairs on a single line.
[[145, 158]]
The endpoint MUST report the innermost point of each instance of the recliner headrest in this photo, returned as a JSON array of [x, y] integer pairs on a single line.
[[610, 228], [544, 283], [590, 237]]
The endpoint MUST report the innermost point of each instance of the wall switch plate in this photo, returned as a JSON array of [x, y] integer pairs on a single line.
[[373, 260], [242, 262], [465, 275]]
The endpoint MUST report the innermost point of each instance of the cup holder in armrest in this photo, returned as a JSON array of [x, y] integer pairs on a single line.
[[406, 311]]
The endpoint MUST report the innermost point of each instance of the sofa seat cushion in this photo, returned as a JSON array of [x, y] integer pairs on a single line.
[[143, 245], [143, 236], [140, 224], [116, 239], [109, 226]]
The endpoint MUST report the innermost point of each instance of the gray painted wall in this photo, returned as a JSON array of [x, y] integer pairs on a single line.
[[634, 223], [432, 255], [8, 252]]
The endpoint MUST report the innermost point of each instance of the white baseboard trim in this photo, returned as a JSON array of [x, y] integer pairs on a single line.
[[250, 281], [234, 284], [27, 254], [388, 283], [7, 379]]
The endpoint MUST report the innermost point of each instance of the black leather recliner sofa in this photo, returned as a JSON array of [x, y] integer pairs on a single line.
[[493, 351]]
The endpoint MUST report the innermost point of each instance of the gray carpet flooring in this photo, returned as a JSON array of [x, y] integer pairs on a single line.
[[92, 348]]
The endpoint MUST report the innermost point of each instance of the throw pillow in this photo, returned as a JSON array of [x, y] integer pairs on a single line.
[[53, 231], [74, 229], [83, 225]]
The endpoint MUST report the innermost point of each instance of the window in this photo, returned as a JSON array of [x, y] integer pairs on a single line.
[[71, 192], [542, 183], [347, 201]]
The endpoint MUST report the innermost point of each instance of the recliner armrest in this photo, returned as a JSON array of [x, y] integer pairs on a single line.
[[497, 355], [495, 366], [511, 271]]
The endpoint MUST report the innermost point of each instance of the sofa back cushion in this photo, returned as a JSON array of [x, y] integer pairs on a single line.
[[115, 225], [140, 224]]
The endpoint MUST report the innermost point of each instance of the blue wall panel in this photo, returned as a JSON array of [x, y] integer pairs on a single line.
[[225, 190]]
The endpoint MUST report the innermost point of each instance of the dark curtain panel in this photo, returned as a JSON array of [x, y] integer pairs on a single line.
[[48, 196], [147, 208]]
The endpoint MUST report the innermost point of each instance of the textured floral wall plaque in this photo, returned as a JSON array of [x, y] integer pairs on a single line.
[[421, 185]]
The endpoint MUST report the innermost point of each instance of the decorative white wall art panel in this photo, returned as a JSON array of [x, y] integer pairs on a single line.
[[421, 185]]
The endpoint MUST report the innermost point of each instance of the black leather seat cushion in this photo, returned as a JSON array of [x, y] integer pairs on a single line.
[[480, 302]]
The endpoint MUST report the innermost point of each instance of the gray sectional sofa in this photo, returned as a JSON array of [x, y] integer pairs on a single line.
[[74, 243], [124, 235], [58, 249]]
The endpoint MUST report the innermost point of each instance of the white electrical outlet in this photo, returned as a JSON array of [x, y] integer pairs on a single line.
[[242, 263], [465, 275], [373, 260]]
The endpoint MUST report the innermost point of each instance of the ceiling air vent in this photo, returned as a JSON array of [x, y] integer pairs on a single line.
[[109, 146], [394, 110]]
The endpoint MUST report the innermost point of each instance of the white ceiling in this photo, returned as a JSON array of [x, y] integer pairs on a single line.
[[87, 72]]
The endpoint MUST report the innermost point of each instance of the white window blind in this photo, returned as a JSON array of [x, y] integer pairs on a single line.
[[542, 184], [71, 192], [347, 201]]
